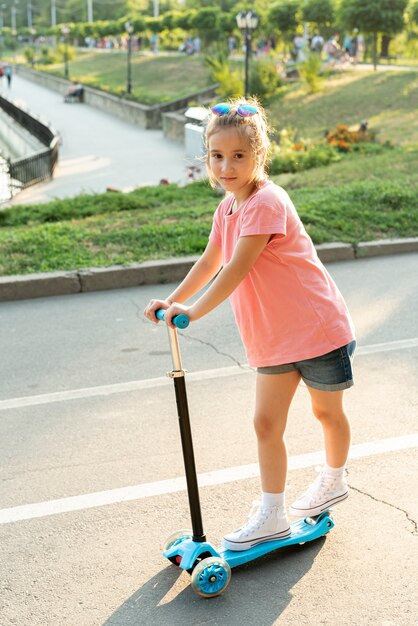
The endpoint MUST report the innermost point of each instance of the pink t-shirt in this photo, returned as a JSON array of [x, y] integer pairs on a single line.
[[287, 308]]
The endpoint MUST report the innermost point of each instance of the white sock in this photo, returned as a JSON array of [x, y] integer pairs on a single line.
[[337, 472], [272, 499]]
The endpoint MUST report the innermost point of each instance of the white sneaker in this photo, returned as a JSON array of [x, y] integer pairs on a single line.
[[264, 524], [325, 492]]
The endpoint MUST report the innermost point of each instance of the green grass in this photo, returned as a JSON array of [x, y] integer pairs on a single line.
[[111, 229], [361, 198], [397, 165], [105, 229], [154, 79], [387, 99]]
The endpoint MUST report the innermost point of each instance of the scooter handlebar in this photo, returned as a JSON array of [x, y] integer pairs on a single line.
[[180, 321]]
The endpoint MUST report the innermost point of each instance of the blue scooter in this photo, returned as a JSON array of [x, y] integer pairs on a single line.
[[210, 568]]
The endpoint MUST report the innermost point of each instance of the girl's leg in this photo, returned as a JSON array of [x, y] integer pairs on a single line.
[[330, 487], [268, 521], [328, 408], [274, 393]]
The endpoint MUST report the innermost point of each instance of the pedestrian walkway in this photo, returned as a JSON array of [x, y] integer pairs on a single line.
[[98, 150]]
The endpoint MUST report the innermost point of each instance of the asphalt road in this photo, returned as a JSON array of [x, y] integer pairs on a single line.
[[90, 465]]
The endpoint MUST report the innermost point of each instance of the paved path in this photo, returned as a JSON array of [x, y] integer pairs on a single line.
[[98, 562], [98, 150]]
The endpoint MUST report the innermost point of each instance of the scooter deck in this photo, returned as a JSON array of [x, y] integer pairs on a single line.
[[302, 531], [187, 552]]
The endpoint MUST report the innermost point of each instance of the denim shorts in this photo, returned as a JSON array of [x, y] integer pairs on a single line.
[[328, 372]]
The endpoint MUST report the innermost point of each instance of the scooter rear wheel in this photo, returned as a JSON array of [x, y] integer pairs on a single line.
[[211, 577]]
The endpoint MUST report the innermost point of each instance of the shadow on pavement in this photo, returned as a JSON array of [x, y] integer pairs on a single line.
[[257, 595]]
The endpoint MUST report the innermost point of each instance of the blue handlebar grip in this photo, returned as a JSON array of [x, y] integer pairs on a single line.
[[180, 321]]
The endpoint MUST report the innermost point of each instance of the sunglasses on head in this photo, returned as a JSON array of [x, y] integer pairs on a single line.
[[244, 110]]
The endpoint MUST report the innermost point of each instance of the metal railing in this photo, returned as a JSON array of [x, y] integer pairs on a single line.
[[28, 170]]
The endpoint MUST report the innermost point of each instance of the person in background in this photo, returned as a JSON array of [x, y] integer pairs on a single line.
[[317, 43], [8, 73]]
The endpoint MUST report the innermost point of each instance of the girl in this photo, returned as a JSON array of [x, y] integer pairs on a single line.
[[292, 319]]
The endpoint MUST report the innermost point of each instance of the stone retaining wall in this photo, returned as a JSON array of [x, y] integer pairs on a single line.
[[139, 114], [173, 126]]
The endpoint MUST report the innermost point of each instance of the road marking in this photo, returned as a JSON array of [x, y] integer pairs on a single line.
[[150, 383], [107, 390], [173, 485], [401, 344]]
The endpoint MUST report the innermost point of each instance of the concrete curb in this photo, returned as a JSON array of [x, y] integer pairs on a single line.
[[170, 270]]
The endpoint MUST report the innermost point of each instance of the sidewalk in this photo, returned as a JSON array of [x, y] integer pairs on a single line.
[[98, 150]]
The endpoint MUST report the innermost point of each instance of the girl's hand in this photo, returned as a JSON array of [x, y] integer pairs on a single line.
[[175, 309], [153, 306]]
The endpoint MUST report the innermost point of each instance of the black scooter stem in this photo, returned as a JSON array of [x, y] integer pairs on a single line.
[[178, 375], [188, 456]]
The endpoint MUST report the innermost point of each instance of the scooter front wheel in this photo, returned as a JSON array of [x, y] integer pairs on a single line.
[[211, 577], [176, 537]]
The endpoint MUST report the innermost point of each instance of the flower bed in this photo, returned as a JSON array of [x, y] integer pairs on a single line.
[[292, 154]]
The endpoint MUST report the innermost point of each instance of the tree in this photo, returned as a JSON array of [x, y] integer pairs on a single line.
[[414, 12], [207, 23], [223, 5], [283, 16], [374, 17], [318, 12]]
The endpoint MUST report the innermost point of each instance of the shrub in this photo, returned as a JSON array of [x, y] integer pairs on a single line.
[[345, 139], [63, 51], [48, 57], [264, 79], [310, 71], [29, 54], [171, 39], [292, 155], [230, 83]]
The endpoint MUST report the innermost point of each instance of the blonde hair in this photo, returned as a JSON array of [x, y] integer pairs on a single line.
[[253, 128]]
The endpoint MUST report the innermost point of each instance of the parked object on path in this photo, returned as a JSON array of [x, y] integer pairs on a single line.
[[74, 93]]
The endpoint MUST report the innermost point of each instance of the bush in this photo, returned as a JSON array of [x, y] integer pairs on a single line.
[[63, 51], [48, 56], [292, 155], [264, 78], [345, 139], [171, 39], [230, 83], [29, 55], [310, 71]]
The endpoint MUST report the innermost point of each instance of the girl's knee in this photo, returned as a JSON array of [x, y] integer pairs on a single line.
[[326, 414], [267, 425]]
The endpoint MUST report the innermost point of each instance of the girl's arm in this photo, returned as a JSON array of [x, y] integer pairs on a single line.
[[245, 255], [200, 274]]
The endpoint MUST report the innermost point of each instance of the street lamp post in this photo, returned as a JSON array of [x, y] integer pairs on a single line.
[[65, 31], [247, 22], [33, 33], [2, 9], [53, 13], [13, 11], [129, 29]]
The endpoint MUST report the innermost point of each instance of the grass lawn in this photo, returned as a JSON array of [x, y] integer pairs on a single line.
[[154, 79], [360, 198], [387, 99]]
